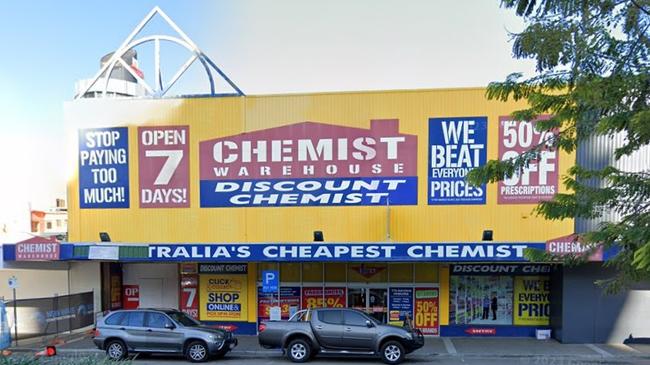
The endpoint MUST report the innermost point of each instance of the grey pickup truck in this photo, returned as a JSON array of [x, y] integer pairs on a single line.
[[338, 332]]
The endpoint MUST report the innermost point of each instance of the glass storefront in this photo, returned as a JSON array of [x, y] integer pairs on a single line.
[[388, 292]]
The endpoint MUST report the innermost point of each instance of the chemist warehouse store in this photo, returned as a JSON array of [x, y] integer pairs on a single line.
[[242, 209]]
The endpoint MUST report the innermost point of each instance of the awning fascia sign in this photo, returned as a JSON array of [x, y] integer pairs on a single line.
[[343, 252], [315, 252]]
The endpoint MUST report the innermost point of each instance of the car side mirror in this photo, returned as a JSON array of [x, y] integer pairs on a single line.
[[369, 324], [170, 326]]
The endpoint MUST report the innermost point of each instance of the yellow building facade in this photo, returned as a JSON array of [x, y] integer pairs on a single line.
[[378, 174]]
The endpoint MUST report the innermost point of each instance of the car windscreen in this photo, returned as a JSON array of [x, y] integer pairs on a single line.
[[183, 319]]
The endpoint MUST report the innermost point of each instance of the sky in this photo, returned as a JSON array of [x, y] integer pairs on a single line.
[[280, 46]]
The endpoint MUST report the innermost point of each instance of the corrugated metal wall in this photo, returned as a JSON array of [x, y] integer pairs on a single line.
[[211, 118], [598, 152]]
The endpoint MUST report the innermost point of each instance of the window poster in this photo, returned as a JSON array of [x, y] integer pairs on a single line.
[[481, 299]]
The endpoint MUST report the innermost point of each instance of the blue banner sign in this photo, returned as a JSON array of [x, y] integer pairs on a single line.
[[309, 192], [501, 269], [104, 168], [456, 146], [342, 252]]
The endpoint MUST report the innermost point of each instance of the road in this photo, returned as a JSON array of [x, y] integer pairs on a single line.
[[415, 360]]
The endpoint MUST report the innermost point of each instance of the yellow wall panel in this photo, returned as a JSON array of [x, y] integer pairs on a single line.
[[211, 118]]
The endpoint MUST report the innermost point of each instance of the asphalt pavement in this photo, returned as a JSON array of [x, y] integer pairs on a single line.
[[437, 350]]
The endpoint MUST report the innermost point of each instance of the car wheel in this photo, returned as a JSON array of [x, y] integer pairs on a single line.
[[298, 350], [196, 351], [392, 352], [116, 350]]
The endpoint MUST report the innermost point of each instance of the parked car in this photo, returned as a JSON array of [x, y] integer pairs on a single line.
[[340, 332], [169, 331]]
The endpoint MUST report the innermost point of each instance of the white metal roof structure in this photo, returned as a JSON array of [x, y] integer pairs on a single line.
[[103, 81]]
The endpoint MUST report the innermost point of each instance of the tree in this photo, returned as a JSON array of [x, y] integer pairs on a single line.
[[593, 77]]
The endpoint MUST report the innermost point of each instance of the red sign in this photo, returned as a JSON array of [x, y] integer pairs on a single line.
[[164, 167], [481, 331], [539, 180], [287, 165], [37, 249], [426, 310], [333, 298], [289, 302], [571, 245], [189, 298], [131, 297]]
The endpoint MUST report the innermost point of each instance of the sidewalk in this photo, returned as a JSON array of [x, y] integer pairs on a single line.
[[434, 347]]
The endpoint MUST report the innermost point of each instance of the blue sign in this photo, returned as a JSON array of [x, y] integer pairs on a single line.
[[456, 146], [104, 168], [270, 281], [309, 192], [400, 304], [343, 252]]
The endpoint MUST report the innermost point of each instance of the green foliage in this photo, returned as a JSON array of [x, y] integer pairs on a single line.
[[593, 77]]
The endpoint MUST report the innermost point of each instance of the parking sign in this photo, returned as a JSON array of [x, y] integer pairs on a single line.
[[270, 281]]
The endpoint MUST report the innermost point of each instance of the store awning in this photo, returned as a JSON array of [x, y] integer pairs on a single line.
[[305, 252]]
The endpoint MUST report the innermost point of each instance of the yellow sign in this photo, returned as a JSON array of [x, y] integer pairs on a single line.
[[223, 298], [532, 305]]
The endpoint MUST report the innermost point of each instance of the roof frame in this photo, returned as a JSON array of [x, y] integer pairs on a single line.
[[159, 89]]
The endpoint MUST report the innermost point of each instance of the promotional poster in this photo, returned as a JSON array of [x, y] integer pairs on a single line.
[[331, 298], [223, 298], [456, 146], [538, 181], [164, 166], [310, 164], [532, 300], [485, 299], [289, 302], [426, 310], [189, 299], [400, 305], [104, 168]]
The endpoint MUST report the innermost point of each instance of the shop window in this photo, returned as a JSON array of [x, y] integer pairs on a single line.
[[312, 272], [480, 300], [290, 272], [367, 273], [426, 273], [335, 273], [265, 266], [401, 273]]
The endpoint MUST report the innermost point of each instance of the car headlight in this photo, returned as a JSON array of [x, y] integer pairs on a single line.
[[409, 336], [216, 337]]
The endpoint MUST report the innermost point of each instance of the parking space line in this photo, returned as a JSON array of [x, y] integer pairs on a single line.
[[602, 352], [449, 346]]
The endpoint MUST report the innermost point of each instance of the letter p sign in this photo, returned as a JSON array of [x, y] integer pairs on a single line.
[[270, 281]]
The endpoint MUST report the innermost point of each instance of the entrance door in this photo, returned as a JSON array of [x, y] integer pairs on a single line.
[[373, 301], [378, 304], [151, 293]]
